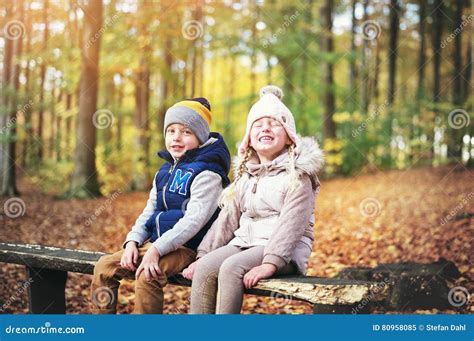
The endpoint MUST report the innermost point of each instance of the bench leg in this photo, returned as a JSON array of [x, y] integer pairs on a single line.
[[340, 309], [47, 291]]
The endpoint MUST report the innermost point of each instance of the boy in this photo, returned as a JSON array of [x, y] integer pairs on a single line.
[[181, 207]]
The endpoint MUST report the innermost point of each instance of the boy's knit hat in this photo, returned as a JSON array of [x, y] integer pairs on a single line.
[[194, 113], [270, 105]]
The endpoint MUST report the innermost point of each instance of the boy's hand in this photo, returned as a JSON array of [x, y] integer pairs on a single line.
[[188, 273], [130, 256], [257, 273], [149, 265]]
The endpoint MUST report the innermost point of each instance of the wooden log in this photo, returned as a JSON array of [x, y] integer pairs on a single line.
[[315, 290], [46, 291]]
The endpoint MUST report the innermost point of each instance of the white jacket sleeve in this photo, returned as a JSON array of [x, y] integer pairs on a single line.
[[139, 232], [205, 192]]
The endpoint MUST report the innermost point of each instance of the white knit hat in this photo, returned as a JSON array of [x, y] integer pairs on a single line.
[[270, 105]]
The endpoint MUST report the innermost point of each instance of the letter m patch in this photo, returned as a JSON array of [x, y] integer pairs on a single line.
[[180, 182]]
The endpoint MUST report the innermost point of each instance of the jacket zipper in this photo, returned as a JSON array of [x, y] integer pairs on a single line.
[[254, 190], [167, 181], [157, 223]]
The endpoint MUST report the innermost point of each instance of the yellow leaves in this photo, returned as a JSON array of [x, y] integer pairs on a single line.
[[332, 148], [345, 116], [334, 159], [333, 145], [341, 117]]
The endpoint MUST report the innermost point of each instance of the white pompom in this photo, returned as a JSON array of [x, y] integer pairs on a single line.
[[271, 89]]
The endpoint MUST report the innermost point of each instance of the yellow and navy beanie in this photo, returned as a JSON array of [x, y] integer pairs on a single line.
[[194, 113]]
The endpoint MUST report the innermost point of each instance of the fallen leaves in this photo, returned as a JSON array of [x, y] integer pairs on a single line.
[[413, 222]]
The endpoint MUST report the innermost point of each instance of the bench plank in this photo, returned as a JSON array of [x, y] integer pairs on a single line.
[[315, 290]]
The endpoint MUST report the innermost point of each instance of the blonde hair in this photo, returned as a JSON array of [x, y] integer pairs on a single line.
[[294, 180], [228, 195]]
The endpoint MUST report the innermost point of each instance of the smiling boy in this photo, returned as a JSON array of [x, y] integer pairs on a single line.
[[181, 207]]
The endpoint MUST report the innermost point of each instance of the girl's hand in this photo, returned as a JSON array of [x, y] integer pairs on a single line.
[[130, 256], [257, 273], [149, 265], [188, 273]]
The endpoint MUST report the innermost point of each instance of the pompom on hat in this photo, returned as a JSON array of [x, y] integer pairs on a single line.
[[270, 105]]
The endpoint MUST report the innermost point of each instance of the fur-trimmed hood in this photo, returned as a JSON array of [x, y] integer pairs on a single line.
[[309, 159]]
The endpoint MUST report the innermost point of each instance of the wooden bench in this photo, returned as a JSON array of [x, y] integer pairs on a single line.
[[47, 268]]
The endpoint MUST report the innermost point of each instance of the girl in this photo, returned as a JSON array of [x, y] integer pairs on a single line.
[[266, 223]]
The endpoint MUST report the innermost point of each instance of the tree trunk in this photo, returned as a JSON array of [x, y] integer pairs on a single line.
[[377, 72], [52, 125], [254, 12], [119, 118], [7, 106], [196, 43], [436, 42], [230, 97], [142, 91], [437, 33], [304, 69], [353, 68], [166, 79], [39, 143], [467, 72], [109, 104], [457, 54], [58, 135], [455, 135], [68, 131], [392, 50], [84, 180], [27, 142], [364, 93], [421, 52], [329, 129]]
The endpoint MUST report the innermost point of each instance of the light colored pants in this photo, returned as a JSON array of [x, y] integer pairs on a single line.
[[148, 295], [218, 279]]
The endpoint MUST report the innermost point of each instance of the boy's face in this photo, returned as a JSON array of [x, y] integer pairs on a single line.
[[179, 139]]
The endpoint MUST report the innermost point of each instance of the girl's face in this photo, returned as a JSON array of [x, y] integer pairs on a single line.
[[179, 139], [269, 138]]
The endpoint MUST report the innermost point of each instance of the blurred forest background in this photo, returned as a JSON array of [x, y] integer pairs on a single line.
[[85, 84], [385, 87]]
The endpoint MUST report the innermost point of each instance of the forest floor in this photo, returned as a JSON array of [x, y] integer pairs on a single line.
[[420, 215]]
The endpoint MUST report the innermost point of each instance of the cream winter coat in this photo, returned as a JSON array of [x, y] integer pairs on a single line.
[[266, 212]]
